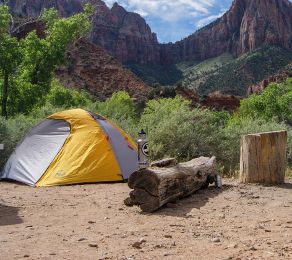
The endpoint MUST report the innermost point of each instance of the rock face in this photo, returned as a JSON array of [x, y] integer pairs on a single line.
[[33, 8], [215, 100], [248, 25], [279, 77], [125, 35], [90, 68]]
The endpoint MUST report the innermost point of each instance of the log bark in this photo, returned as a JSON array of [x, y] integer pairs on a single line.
[[263, 158], [155, 186]]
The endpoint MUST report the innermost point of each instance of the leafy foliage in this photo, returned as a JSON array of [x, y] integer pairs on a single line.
[[173, 127], [120, 108], [33, 60], [274, 102], [67, 98]]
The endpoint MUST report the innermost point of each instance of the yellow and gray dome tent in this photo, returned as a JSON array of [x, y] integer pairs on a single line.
[[70, 147]]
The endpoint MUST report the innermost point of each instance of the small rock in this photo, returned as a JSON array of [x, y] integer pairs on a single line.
[[252, 248], [26, 256], [139, 243], [91, 222], [168, 236], [215, 240], [222, 216], [268, 230], [106, 218], [93, 245], [82, 239]]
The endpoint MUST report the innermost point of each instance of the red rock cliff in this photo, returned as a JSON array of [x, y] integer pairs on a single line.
[[248, 25]]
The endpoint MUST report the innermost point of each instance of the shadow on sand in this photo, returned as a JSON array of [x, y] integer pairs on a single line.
[[9, 215], [195, 201], [286, 185]]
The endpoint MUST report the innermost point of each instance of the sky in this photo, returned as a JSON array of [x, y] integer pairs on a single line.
[[173, 20]]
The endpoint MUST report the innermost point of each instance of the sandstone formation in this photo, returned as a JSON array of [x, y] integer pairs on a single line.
[[125, 35], [90, 68], [33, 8], [248, 25], [215, 100], [279, 77]]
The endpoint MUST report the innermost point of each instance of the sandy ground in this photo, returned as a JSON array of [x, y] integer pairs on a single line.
[[91, 222]]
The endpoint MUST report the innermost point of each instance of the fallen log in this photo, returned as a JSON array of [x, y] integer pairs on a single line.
[[156, 186]]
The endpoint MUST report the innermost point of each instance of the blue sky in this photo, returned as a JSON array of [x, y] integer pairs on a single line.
[[173, 20]]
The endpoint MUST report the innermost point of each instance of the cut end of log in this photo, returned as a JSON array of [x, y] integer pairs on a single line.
[[263, 157]]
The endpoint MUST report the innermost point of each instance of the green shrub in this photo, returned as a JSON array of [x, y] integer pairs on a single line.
[[275, 102], [60, 96], [176, 130], [120, 108]]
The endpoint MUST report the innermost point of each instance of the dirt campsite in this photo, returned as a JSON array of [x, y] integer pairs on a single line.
[[91, 222]]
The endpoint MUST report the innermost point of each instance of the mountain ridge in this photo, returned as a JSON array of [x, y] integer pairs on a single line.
[[246, 26]]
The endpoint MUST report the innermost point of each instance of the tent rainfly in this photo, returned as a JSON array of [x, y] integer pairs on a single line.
[[70, 147]]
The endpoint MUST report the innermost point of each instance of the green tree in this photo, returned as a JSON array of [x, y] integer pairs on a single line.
[[274, 103], [9, 55], [32, 76]]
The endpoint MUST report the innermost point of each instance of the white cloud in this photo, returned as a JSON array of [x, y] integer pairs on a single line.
[[141, 12], [208, 19], [167, 10], [175, 17]]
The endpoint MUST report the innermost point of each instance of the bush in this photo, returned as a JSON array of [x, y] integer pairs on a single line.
[[176, 130], [275, 102], [120, 108], [60, 96]]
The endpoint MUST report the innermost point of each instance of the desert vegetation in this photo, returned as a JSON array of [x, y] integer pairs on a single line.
[[174, 128]]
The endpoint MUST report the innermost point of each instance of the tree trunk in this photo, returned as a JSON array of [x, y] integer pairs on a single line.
[[263, 158], [5, 94], [154, 187]]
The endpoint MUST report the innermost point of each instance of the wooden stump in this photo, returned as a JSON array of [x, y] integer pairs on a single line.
[[263, 158], [155, 186]]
